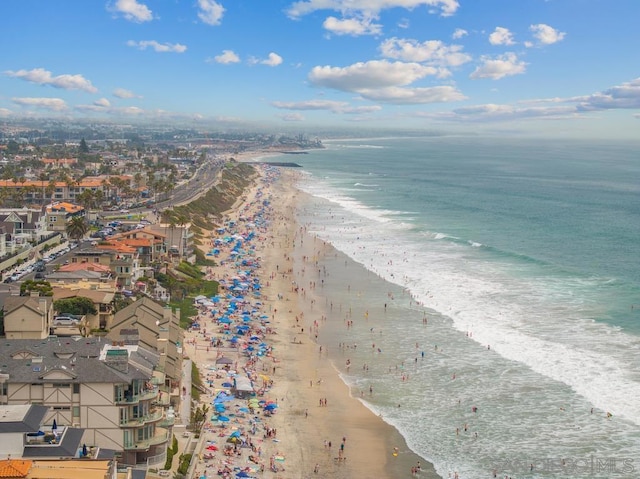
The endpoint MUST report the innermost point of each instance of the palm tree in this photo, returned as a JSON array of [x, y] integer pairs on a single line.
[[43, 177], [77, 227]]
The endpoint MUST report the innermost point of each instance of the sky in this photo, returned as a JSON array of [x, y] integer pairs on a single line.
[[540, 67]]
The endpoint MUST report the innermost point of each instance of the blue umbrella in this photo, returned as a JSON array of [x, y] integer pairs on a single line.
[[242, 474], [223, 418]]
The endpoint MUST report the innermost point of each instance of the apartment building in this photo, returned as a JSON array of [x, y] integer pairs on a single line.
[[108, 389]]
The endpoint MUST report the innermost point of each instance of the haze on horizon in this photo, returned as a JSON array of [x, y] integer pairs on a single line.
[[532, 67]]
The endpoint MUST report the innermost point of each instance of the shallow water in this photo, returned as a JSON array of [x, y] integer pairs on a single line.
[[534, 339]]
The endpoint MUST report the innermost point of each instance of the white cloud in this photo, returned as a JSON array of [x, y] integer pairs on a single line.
[[404, 23], [4, 112], [102, 102], [301, 8], [326, 105], [432, 51], [501, 36], [459, 33], [493, 112], [211, 12], [310, 105], [158, 47], [52, 104], [369, 75], [291, 117], [358, 110], [499, 67], [625, 96], [352, 26], [122, 93], [133, 11], [44, 77], [545, 34], [413, 96], [621, 97], [226, 57], [112, 110], [273, 60]]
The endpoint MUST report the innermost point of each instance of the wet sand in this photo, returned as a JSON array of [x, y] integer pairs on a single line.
[[322, 431]]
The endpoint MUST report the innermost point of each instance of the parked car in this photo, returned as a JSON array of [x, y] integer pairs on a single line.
[[65, 322], [66, 319]]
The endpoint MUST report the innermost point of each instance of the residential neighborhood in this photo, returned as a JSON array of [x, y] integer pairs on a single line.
[[97, 257]]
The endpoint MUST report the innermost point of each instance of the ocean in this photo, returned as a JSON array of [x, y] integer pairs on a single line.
[[485, 300]]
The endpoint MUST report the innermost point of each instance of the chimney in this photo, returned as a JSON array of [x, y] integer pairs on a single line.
[[118, 359]]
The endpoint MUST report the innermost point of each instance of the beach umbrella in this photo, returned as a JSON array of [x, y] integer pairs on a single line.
[[227, 385], [242, 474], [224, 360], [223, 419], [235, 434]]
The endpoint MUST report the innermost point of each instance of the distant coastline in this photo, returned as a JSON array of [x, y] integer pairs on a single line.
[[285, 164]]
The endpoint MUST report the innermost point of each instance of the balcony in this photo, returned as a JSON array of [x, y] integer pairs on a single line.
[[140, 421], [144, 395], [161, 436], [167, 421]]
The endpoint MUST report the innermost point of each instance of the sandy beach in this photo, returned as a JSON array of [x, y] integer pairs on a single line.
[[316, 428]]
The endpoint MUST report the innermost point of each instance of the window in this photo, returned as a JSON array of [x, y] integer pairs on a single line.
[[76, 411], [3, 389], [76, 388], [64, 385], [118, 393]]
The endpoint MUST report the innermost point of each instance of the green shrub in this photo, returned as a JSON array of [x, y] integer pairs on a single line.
[[169, 461], [185, 460]]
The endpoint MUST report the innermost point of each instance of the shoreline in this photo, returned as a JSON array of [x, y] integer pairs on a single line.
[[323, 430]]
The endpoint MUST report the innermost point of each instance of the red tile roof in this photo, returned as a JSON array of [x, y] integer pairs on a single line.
[[12, 468]]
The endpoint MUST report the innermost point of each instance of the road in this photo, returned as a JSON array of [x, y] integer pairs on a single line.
[[204, 178]]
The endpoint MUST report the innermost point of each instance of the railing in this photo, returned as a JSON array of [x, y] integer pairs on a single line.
[[167, 421], [139, 421], [162, 435], [147, 394], [157, 460]]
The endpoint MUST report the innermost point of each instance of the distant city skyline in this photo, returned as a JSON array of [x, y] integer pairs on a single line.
[[527, 67]]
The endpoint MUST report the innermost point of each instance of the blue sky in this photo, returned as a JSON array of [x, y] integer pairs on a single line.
[[561, 67]]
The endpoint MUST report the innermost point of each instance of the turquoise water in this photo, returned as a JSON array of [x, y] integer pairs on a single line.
[[524, 257]]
